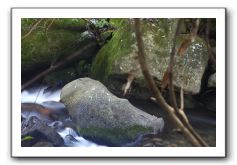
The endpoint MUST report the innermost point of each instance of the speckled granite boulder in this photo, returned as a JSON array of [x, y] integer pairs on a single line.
[[117, 57], [103, 117]]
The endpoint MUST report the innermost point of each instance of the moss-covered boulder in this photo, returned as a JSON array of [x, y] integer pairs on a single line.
[[118, 56], [51, 41], [103, 117], [45, 43]]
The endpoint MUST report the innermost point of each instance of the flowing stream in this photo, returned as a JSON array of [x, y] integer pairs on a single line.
[[43, 94], [200, 119]]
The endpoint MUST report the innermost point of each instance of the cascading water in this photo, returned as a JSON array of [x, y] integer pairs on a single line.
[[42, 95], [71, 139], [39, 95]]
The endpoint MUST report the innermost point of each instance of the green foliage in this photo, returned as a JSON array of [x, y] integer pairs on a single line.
[[27, 138], [116, 22], [70, 22], [101, 23]]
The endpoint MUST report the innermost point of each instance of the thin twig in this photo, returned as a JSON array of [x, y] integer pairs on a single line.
[[60, 64], [181, 98], [49, 26], [130, 79], [190, 38], [180, 113], [170, 69], [33, 28], [195, 28]]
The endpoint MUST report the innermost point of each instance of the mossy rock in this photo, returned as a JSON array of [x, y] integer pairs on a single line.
[[118, 56], [44, 45], [115, 48], [99, 115], [114, 136]]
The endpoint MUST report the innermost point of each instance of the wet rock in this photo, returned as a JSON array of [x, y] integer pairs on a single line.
[[39, 131], [103, 117], [118, 57]]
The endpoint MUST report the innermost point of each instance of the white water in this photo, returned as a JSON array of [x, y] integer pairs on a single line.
[[40, 95], [71, 139]]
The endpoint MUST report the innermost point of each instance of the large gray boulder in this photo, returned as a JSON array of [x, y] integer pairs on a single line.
[[103, 117], [118, 56]]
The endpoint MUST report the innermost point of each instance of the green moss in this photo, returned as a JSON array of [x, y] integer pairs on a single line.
[[116, 22], [72, 22], [118, 46], [114, 136], [44, 46], [123, 43]]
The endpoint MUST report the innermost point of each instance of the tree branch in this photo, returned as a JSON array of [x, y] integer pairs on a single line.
[[58, 65], [145, 71], [155, 90], [170, 69], [191, 37], [179, 112], [33, 28], [49, 26], [181, 98]]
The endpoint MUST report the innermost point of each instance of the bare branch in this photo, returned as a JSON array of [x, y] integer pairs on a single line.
[[155, 90], [191, 37], [49, 26], [130, 79], [180, 113], [170, 69], [145, 71], [58, 65], [181, 98], [33, 28]]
